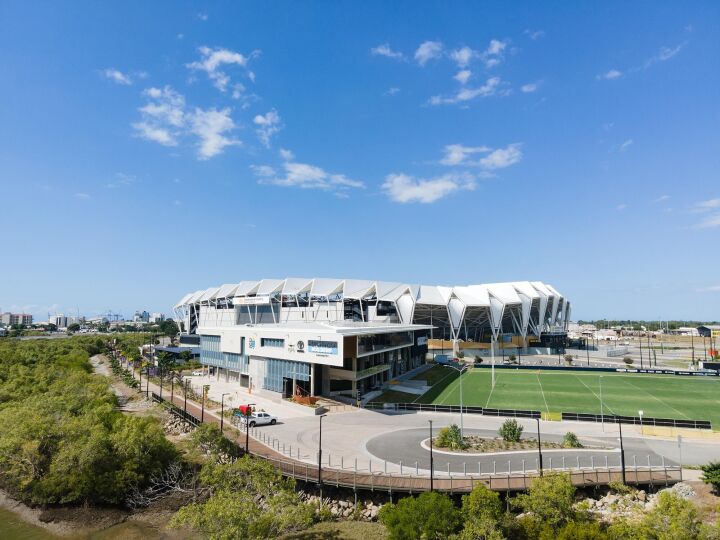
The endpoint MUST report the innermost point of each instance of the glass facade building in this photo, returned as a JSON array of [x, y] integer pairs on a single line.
[[277, 370]]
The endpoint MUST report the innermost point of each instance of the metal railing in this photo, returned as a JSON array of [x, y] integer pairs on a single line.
[[421, 407], [636, 420], [412, 479]]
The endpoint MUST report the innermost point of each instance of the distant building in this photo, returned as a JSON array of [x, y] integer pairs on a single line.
[[141, 317], [59, 320], [685, 331], [156, 318], [708, 330], [11, 319]]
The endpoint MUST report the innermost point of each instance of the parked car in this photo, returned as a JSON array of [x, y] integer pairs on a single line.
[[260, 418], [198, 373]]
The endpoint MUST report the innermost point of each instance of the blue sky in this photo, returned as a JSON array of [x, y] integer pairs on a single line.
[[148, 149]]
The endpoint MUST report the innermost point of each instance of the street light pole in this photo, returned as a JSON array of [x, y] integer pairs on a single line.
[[640, 413], [320, 458], [248, 412], [431, 457], [539, 446], [602, 411], [222, 410], [622, 452]]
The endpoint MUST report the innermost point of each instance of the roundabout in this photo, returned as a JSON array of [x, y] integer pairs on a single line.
[[410, 448]]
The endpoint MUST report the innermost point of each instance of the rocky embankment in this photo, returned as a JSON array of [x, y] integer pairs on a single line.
[[633, 504]]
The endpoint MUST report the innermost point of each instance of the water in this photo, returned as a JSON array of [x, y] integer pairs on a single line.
[[12, 527]]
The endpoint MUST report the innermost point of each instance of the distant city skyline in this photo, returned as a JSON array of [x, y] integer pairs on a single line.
[[152, 149]]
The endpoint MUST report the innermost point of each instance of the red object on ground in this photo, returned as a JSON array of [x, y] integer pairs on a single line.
[[246, 410]]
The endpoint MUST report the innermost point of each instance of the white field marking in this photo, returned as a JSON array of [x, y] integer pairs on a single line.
[[543, 393], [441, 380], [604, 405], [450, 389], [658, 399], [492, 388]]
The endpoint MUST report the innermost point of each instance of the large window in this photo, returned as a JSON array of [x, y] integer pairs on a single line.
[[277, 370], [210, 353], [379, 342], [272, 342]]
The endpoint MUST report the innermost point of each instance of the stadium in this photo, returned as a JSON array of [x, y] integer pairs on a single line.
[[347, 337]]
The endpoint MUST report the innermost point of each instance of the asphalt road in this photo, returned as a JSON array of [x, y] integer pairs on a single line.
[[405, 445]]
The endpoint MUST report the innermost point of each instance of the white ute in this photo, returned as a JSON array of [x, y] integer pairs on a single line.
[[260, 419]]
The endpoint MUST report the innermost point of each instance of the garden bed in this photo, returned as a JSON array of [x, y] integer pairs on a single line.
[[480, 445]]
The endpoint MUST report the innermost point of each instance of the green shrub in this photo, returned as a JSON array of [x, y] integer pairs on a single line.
[[711, 475], [510, 431], [550, 500], [570, 440], [628, 360], [430, 516], [616, 486], [450, 437]]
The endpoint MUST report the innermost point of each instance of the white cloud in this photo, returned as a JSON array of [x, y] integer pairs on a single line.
[[463, 56], [210, 127], [502, 157], [202, 16], [534, 34], [661, 199], [457, 154], [490, 88], [403, 188], [392, 91], [268, 124], [117, 76], [610, 75], [121, 179], [163, 117], [709, 222], [386, 50], [706, 206], [665, 53], [712, 288], [529, 88], [427, 51], [304, 175], [493, 55], [463, 76], [83, 196], [212, 60], [625, 145], [620, 207]]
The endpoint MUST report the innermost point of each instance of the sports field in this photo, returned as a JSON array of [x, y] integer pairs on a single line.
[[658, 396]]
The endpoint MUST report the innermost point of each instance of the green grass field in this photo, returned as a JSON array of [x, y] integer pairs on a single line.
[[658, 396]]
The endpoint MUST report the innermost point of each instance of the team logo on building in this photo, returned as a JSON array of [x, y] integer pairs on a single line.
[[300, 346]]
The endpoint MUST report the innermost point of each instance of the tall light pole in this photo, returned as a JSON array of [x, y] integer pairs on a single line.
[[539, 446], [222, 410], [602, 412], [622, 451], [460, 370], [320, 483], [640, 413], [185, 388], [431, 457], [248, 412]]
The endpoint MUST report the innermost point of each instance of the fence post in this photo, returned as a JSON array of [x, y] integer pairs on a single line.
[[401, 468], [577, 459], [448, 468], [342, 462], [523, 469], [592, 462], [464, 468], [385, 467], [417, 471], [494, 468], [551, 464], [606, 462], [563, 462]]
